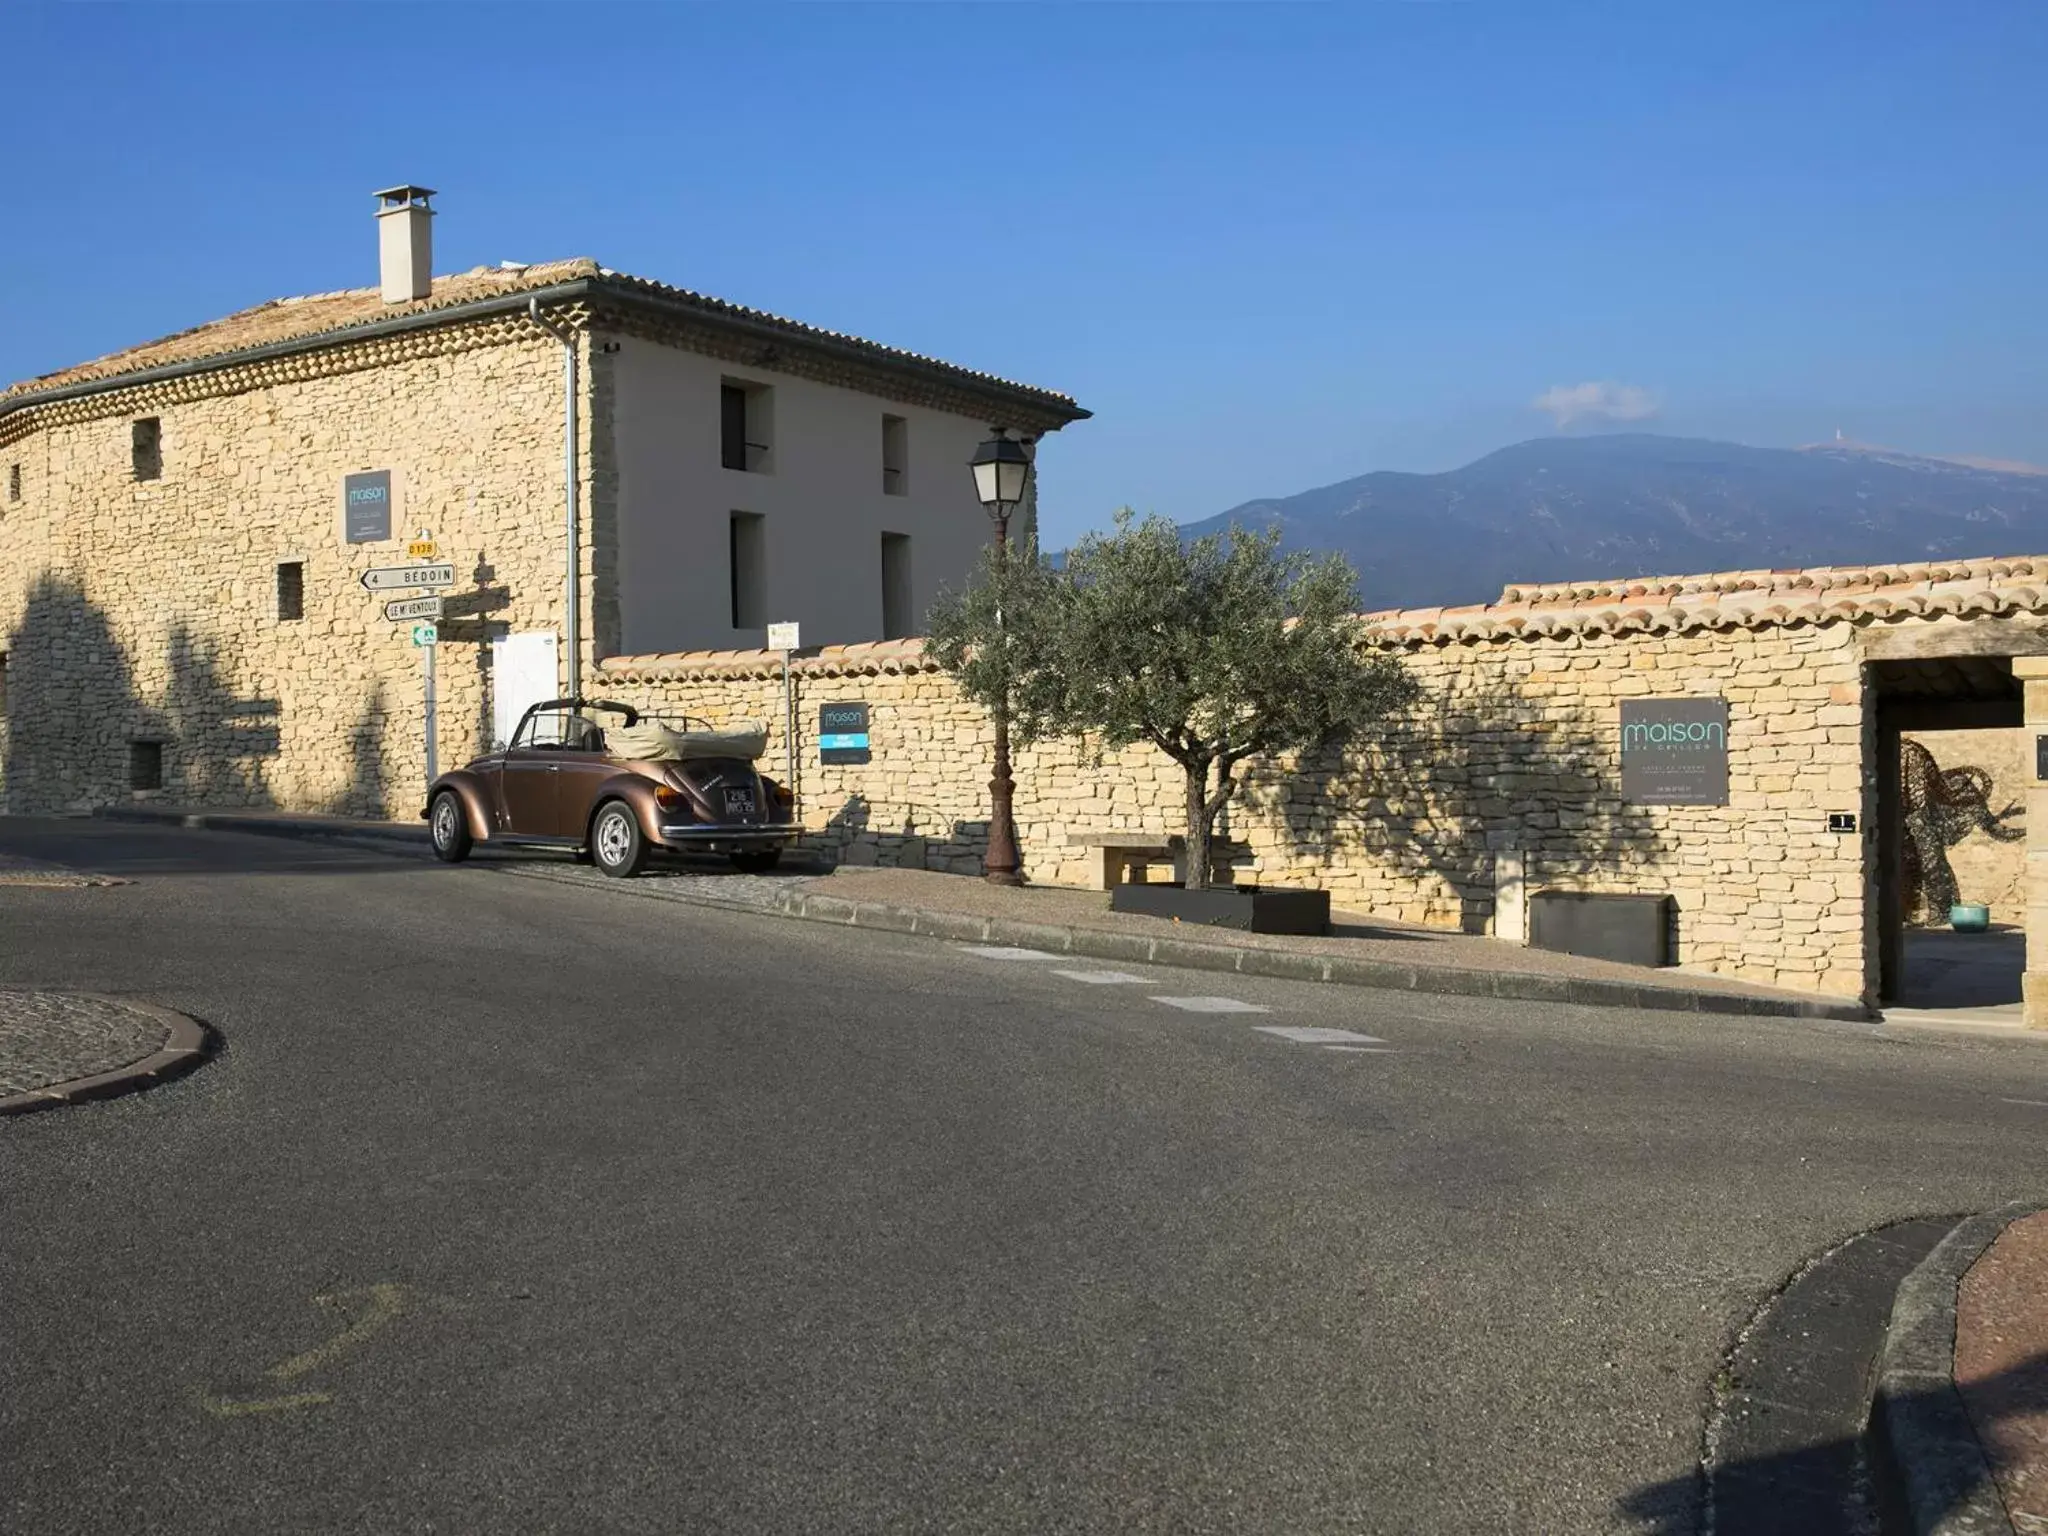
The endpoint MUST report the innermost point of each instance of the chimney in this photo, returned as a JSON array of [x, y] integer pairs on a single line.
[[405, 243]]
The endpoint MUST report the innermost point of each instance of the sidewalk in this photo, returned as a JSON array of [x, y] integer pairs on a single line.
[[2001, 1366], [66, 1047], [1364, 951]]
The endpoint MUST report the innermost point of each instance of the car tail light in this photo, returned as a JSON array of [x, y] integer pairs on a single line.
[[670, 799]]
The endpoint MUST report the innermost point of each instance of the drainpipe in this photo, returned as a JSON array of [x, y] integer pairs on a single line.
[[572, 606]]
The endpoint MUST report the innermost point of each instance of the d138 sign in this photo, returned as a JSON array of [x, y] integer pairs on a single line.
[[1674, 751]]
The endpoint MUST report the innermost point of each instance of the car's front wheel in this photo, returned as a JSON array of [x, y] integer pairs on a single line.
[[449, 828], [616, 845]]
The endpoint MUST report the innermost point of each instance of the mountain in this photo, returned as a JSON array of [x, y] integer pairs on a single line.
[[1637, 504]]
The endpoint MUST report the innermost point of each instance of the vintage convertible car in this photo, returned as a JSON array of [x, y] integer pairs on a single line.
[[598, 778]]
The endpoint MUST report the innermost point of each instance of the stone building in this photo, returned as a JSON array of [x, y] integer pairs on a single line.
[[180, 606], [1511, 777]]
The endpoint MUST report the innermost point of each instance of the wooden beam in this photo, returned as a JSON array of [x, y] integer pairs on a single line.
[[1919, 639]]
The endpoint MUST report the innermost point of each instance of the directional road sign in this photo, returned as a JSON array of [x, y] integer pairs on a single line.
[[425, 634], [386, 578], [401, 609]]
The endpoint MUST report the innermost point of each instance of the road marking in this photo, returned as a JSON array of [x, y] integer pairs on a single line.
[[384, 1303], [1002, 952], [2030, 1103], [1305, 1034], [1211, 1005], [1362, 1050], [1100, 978]]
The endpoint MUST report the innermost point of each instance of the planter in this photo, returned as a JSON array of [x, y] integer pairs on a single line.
[[1248, 908], [1635, 930], [1969, 917]]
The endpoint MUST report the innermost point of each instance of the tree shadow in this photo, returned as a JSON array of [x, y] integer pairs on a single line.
[[1438, 792], [1848, 1483], [70, 707], [910, 836]]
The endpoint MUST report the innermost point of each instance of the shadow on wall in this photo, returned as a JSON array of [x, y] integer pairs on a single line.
[[79, 733], [1433, 795], [911, 838]]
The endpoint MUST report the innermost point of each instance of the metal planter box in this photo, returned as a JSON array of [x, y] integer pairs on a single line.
[[1248, 908], [1635, 930]]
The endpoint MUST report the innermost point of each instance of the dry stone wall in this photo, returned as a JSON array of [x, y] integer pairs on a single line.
[[146, 610], [1515, 748]]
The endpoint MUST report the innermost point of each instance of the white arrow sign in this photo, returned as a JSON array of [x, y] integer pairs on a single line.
[[412, 608], [387, 577]]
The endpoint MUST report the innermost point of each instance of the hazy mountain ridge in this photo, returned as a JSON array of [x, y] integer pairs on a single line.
[[1637, 504]]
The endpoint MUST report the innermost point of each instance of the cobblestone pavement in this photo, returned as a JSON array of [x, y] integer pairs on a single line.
[[55, 1037], [15, 870]]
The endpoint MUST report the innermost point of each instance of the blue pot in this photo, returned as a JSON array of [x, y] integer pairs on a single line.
[[1969, 917]]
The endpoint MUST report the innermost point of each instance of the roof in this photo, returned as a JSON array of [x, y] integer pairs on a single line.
[[330, 318], [1732, 600], [1655, 604]]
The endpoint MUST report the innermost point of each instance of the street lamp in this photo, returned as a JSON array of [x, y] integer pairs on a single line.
[[1002, 469]]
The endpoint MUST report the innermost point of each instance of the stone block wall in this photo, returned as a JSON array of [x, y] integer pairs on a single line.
[[146, 609], [1516, 747]]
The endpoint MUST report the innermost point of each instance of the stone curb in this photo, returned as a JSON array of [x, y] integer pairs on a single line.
[[1285, 965], [187, 1044], [1105, 944], [1917, 1418]]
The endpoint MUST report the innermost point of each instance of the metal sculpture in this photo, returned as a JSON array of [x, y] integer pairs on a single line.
[[1942, 807]]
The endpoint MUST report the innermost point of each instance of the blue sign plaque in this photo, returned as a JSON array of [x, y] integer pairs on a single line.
[[843, 733]]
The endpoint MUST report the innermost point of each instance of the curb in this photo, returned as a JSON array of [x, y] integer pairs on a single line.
[[1107, 944], [1917, 1418], [187, 1045], [1283, 965]]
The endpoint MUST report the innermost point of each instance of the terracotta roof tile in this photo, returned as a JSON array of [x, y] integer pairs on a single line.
[[335, 314]]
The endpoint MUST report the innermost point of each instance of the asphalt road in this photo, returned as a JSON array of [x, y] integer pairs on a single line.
[[636, 1216]]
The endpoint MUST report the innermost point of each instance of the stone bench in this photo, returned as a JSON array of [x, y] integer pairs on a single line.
[[1129, 856]]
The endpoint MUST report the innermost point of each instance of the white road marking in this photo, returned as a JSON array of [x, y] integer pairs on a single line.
[[1100, 978], [2030, 1103], [1211, 1005], [1362, 1050], [1306, 1034], [1002, 952]]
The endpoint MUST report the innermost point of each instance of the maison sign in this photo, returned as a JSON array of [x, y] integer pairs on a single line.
[[843, 733], [366, 506], [1674, 751]]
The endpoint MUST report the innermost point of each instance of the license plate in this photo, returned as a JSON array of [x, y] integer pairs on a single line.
[[739, 802]]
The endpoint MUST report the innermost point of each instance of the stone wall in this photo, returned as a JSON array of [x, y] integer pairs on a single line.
[[1517, 746], [146, 610]]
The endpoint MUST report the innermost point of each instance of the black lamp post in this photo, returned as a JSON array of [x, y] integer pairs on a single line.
[[1002, 470]]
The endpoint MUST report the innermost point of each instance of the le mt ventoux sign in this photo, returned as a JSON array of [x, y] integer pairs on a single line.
[[1674, 751]]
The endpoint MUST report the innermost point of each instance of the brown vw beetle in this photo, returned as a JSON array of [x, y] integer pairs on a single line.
[[599, 778]]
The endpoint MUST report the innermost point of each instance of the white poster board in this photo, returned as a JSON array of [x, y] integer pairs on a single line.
[[523, 673]]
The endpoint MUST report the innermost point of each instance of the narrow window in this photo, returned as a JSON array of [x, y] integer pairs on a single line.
[[895, 585], [291, 589], [895, 457], [749, 571], [746, 426], [14, 482], [145, 765], [147, 441]]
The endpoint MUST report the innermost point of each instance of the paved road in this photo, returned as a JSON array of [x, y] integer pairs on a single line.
[[634, 1216]]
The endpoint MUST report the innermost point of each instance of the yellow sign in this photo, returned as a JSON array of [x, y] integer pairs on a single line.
[[422, 549]]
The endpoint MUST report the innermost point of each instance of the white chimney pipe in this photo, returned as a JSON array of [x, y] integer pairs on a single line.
[[405, 243]]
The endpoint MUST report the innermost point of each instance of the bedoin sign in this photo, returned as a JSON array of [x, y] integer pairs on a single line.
[[1674, 751]]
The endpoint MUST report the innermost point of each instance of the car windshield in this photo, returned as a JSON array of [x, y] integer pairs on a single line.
[[565, 730]]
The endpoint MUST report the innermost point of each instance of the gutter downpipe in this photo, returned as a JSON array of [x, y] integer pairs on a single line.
[[571, 609]]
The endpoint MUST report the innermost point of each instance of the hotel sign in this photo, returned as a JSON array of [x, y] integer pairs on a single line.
[[366, 507], [1674, 751], [843, 733]]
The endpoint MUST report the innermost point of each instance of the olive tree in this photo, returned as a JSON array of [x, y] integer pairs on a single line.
[[1214, 650]]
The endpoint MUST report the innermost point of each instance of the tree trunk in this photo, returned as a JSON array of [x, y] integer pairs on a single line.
[[1200, 819]]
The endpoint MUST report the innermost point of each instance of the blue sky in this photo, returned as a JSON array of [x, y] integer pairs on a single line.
[[1269, 245]]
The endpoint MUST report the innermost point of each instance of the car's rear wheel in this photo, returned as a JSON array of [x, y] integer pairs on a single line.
[[449, 828], [757, 861], [616, 845]]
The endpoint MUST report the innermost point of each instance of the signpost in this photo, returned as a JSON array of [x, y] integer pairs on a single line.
[[391, 578], [784, 638], [420, 612]]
